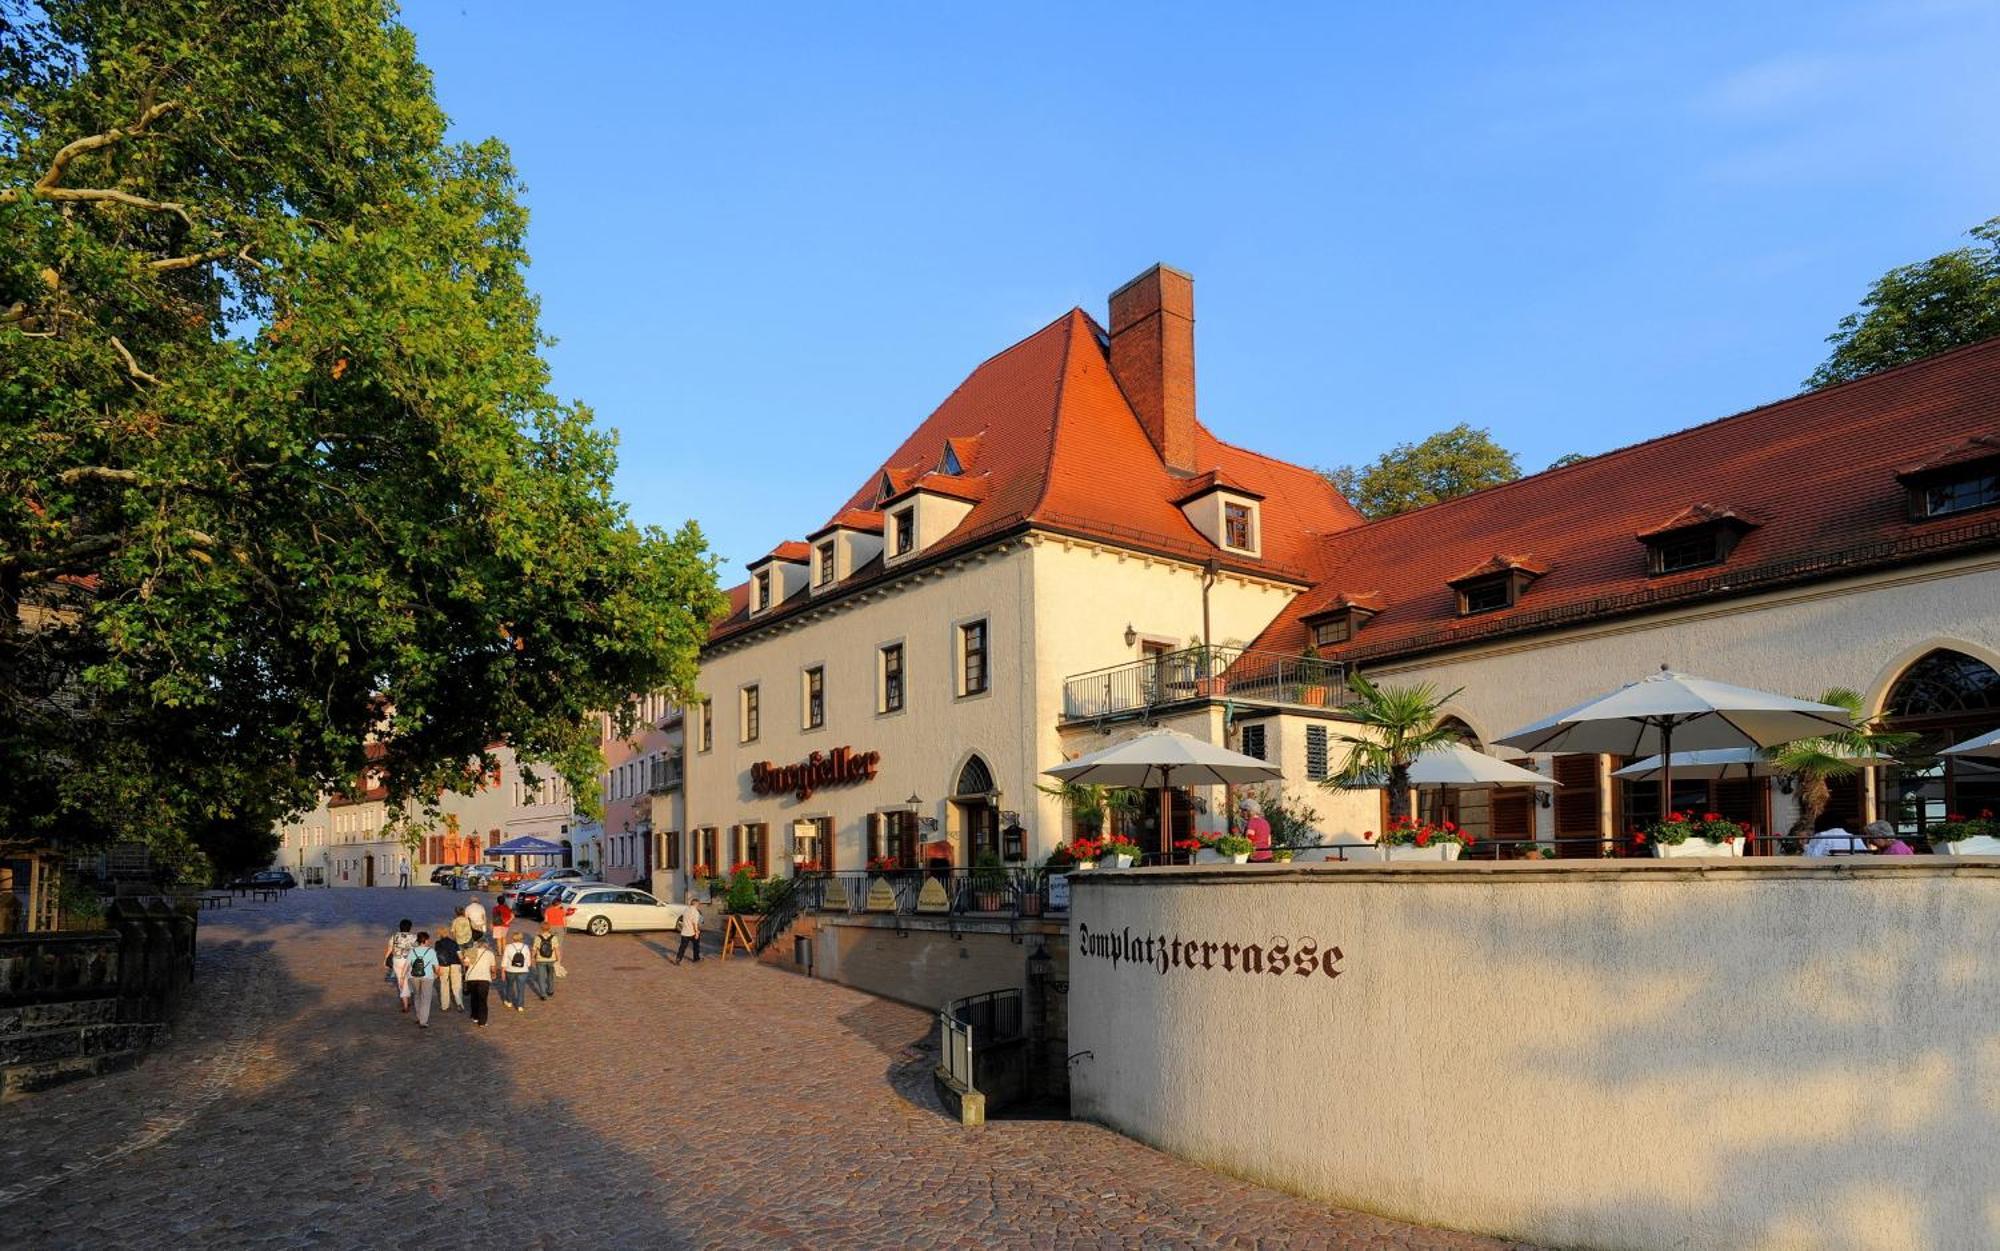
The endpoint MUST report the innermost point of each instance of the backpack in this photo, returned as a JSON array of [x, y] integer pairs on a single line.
[[545, 946]]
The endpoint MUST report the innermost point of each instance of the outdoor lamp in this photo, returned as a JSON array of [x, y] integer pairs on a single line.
[[1040, 965], [1785, 784], [913, 801], [1131, 635], [1543, 797]]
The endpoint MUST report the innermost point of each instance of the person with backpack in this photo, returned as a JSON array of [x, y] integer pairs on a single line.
[[548, 954], [690, 931], [515, 962], [423, 978], [451, 971], [503, 916], [397, 959], [475, 916], [479, 965]]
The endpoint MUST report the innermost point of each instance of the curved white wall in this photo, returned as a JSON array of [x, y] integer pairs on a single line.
[[1781, 1054]]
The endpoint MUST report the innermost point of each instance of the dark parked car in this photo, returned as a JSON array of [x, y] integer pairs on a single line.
[[440, 876], [264, 879], [529, 899]]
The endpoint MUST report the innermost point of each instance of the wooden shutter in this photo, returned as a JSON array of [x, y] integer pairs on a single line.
[[1576, 797], [1513, 812]]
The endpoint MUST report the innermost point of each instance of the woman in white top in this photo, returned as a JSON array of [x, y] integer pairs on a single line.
[[397, 958], [479, 964]]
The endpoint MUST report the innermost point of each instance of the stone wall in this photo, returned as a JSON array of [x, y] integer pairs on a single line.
[[1621, 1055]]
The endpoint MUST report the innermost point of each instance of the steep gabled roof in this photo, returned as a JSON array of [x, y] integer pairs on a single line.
[[1811, 481], [1046, 439]]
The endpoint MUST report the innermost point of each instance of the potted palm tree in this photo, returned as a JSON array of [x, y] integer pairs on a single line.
[[989, 884], [1811, 763], [1403, 722]]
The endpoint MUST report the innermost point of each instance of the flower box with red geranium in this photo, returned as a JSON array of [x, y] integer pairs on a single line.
[[1084, 851], [1959, 835], [1124, 853], [1694, 834], [1411, 839]]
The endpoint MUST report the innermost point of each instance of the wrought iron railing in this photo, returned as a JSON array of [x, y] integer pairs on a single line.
[[1000, 894], [977, 1021], [1198, 673]]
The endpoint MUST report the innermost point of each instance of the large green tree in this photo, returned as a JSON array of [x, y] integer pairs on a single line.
[[279, 464], [1410, 475], [1918, 310]]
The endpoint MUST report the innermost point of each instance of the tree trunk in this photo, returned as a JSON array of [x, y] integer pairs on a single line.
[[1399, 791], [1813, 795]]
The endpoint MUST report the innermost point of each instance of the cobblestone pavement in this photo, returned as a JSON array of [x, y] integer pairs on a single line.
[[647, 1105]]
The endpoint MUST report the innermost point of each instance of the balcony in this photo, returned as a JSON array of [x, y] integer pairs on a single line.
[[666, 775], [1198, 674]]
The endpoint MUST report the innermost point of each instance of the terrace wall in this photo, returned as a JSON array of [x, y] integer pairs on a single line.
[[1619, 1055]]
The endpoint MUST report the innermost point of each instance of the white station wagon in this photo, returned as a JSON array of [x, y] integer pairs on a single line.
[[602, 909]]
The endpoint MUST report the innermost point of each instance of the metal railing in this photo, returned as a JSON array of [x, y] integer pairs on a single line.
[[668, 773], [1199, 673], [977, 1021], [1001, 894]]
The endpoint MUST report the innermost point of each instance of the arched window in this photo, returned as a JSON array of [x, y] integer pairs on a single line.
[[1464, 732], [1943, 697], [975, 778]]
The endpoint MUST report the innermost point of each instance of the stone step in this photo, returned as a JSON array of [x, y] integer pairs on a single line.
[[75, 1042], [24, 1079], [27, 1018]]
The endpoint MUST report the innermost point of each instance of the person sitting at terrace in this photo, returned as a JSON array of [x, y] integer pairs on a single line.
[[1882, 840], [1830, 837]]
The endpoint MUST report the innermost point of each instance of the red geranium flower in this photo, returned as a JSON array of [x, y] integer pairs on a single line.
[[1711, 816], [1638, 838]]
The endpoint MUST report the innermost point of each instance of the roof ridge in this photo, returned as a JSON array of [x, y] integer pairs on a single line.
[[1055, 413], [1685, 432]]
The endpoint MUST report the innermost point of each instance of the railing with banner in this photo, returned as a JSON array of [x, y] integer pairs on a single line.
[[999, 893]]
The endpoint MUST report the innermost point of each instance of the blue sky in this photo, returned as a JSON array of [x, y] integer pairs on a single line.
[[771, 238]]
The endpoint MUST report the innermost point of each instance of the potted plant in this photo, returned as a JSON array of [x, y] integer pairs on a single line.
[[1401, 724], [1962, 836], [882, 864], [1282, 855], [1085, 852], [1811, 763], [1411, 839], [1236, 847], [1123, 851], [989, 884], [1684, 834], [743, 895]]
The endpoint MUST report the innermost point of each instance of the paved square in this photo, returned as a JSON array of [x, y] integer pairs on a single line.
[[648, 1105]]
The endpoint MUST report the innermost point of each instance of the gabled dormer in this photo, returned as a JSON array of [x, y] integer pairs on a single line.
[[960, 455], [779, 576], [1698, 536], [844, 545], [926, 510], [1340, 620], [1495, 584], [1228, 513]]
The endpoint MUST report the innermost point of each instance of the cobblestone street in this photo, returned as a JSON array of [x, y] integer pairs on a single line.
[[647, 1105]]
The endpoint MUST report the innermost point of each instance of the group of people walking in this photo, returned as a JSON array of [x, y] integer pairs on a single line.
[[459, 966]]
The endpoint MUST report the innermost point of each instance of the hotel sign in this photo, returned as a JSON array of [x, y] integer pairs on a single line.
[[843, 766]]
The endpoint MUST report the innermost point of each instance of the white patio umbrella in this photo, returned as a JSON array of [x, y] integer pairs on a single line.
[[1459, 765], [1986, 746], [1158, 759], [1653, 715], [1728, 762]]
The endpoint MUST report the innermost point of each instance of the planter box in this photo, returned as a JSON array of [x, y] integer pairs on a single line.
[[1121, 862], [1438, 851], [1697, 848], [1978, 845], [989, 901], [1031, 904]]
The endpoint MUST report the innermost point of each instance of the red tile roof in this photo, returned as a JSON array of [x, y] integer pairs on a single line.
[[1058, 448], [866, 520], [1214, 480], [1695, 515], [791, 551], [1819, 471]]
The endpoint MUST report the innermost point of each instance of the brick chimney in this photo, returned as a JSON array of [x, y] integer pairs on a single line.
[[1152, 356]]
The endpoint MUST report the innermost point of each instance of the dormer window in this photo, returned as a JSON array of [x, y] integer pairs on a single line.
[[1334, 630], [824, 566], [1336, 623], [1963, 479], [1224, 511], [948, 463], [1239, 527], [1700, 535], [762, 599], [1958, 493], [1489, 596], [1495, 584], [903, 525]]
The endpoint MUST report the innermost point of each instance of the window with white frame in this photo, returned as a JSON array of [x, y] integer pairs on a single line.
[[813, 698], [749, 720], [972, 670], [890, 694]]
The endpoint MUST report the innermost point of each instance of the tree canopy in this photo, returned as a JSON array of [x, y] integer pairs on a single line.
[[1918, 310], [1410, 475], [280, 469]]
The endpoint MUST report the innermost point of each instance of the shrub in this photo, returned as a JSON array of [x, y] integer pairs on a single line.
[[743, 893], [1234, 845]]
